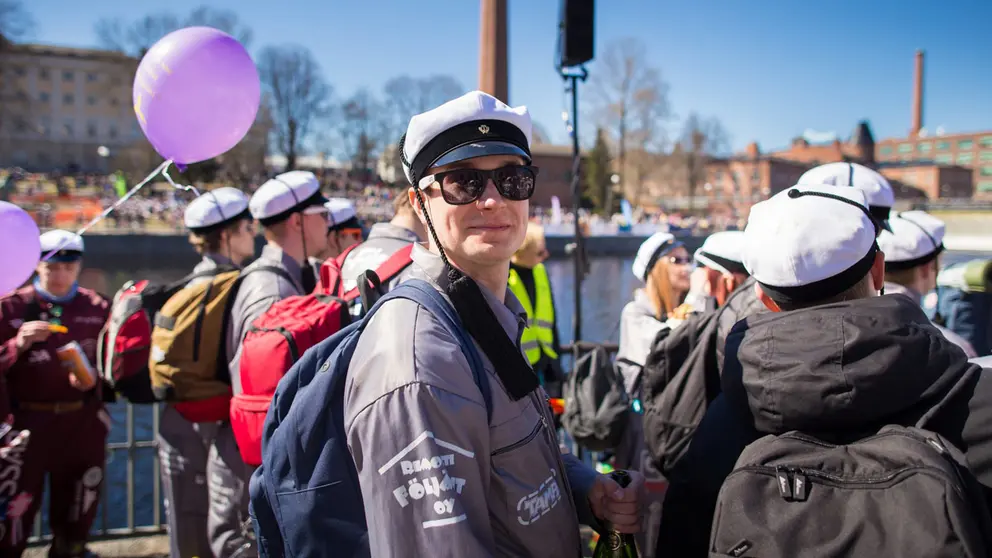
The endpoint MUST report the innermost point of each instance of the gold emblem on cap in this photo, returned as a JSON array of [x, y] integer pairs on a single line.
[[484, 129]]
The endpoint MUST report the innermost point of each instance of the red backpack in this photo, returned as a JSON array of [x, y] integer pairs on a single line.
[[280, 336], [125, 341]]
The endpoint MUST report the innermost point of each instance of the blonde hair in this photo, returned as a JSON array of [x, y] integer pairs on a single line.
[[533, 237], [659, 290]]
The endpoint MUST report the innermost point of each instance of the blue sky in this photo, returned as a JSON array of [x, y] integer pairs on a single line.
[[769, 70]]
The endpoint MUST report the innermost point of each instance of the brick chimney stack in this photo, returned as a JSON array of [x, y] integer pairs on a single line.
[[493, 66], [917, 96]]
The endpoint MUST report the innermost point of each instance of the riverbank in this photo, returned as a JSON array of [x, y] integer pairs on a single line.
[[161, 251], [172, 251]]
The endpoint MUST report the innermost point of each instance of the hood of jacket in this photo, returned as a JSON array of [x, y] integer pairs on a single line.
[[846, 366]]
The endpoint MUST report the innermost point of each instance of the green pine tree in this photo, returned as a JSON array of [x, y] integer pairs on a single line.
[[598, 171]]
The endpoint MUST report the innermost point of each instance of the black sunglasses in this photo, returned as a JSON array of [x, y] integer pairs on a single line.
[[464, 186]]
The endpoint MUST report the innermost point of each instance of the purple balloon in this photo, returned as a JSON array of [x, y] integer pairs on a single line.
[[21, 250], [196, 94]]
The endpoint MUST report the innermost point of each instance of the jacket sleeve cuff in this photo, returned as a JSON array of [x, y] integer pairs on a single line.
[[581, 478], [8, 354]]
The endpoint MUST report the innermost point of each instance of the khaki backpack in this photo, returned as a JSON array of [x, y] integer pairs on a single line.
[[188, 360]]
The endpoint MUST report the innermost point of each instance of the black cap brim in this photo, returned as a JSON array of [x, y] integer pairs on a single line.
[[477, 149]]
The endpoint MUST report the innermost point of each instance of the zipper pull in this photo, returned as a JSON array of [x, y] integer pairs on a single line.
[[800, 486], [784, 483]]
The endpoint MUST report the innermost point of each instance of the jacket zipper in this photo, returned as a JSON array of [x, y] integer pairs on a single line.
[[557, 451], [793, 481], [515, 445]]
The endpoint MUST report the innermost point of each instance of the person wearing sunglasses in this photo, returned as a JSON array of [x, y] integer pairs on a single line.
[[414, 413], [529, 283], [663, 264], [343, 228]]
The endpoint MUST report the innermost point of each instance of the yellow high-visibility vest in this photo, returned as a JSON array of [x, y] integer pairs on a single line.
[[539, 334]]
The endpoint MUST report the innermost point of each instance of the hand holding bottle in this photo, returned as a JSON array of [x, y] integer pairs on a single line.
[[620, 506]]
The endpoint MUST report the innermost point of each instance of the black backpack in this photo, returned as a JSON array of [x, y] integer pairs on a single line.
[[679, 380], [597, 406], [901, 492]]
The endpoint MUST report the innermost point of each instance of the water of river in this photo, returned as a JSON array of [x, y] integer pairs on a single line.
[[605, 290]]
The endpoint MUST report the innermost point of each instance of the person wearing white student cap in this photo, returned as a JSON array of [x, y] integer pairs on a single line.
[[662, 264], [221, 230], [877, 190], [291, 210], [66, 418], [832, 356], [344, 230], [912, 251], [469, 166]]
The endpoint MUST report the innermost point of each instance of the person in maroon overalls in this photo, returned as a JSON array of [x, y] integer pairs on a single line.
[[64, 414]]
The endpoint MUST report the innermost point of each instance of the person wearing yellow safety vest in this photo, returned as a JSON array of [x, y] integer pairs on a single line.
[[529, 283]]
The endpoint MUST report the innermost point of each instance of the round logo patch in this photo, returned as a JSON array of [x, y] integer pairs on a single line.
[[92, 477]]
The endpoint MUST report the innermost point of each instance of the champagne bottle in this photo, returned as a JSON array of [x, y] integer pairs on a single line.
[[613, 544]]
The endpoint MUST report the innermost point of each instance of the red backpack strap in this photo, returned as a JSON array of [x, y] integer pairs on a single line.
[[389, 269], [330, 272]]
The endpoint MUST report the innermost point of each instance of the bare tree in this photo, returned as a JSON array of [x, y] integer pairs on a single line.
[[16, 22], [630, 100], [701, 140], [363, 131], [136, 37], [406, 96], [298, 96]]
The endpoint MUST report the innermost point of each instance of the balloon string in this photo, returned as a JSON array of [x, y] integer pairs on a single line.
[[165, 173], [161, 168]]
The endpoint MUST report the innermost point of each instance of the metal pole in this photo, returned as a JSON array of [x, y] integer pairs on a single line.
[[579, 253]]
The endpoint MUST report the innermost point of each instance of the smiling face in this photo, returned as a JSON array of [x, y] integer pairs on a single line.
[[485, 232]]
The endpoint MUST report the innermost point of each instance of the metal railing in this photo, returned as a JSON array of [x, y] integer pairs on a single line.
[[121, 479]]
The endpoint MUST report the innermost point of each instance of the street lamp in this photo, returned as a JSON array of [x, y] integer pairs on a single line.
[[615, 179], [104, 153]]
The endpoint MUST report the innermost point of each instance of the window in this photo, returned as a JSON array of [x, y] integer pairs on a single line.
[[906, 148], [986, 141], [943, 145], [19, 71], [68, 76], [985, 186], [887, 150], [44, 127], [91, 77], [944, 159], [966, 144], [965, 158], [21, 126], [114, 102], [112, 132], [43, 97], [924, 147], [985, 156], [43, 74], [91, 130], [68, 99], [986, 171], [91, 100], [68, 129]]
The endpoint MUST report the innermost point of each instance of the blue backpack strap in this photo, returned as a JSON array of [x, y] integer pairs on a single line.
[[424, 294]]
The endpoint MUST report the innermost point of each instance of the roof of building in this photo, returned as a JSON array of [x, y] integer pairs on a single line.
[[70, 52]]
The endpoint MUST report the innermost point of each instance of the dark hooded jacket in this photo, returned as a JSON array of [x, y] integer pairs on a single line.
[[837, 371]]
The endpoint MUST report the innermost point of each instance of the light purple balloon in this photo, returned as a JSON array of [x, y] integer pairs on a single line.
[[21, 247], [196, 94]]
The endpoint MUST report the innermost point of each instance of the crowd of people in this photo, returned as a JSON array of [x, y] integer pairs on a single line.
[[398, 391]]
